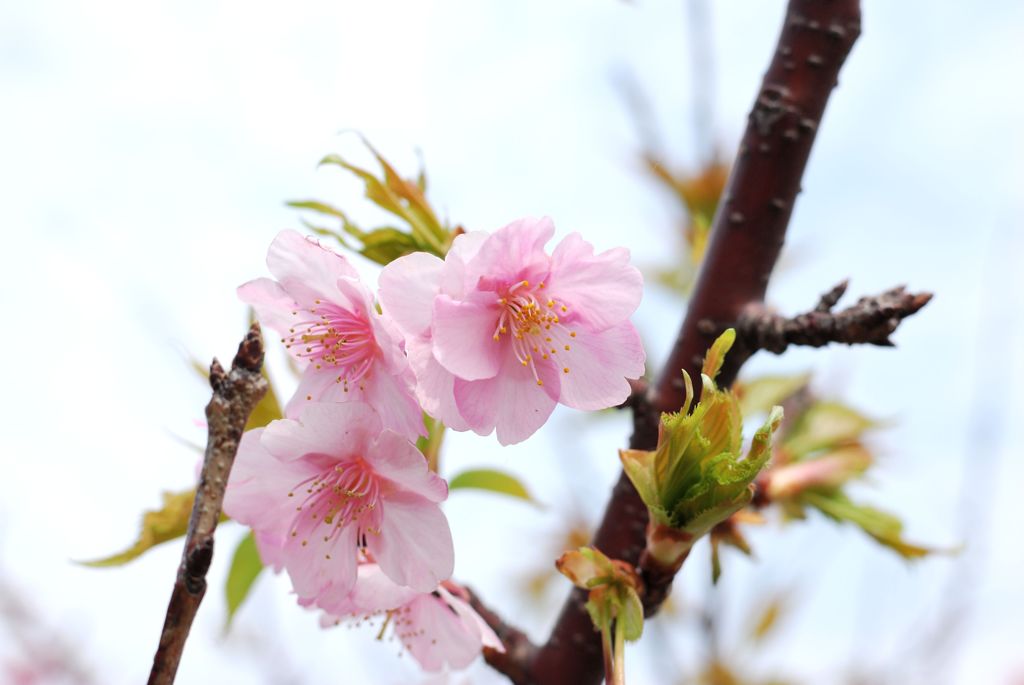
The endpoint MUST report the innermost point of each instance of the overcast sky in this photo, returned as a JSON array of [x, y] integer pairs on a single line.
[[146, 150]]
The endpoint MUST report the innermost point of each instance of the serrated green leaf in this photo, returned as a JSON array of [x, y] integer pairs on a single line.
[[402, 198], [716, 355], [761, 394], [245, 568], [411, 193], [882, 526], [492, 481], [158, 526]]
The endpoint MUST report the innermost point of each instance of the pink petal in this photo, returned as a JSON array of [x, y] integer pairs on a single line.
[[599, 364], [316, 565], [270, 546], [258, 487], [512, 401], [393, 398], [372, 592], [320, 386], [464, 248], [323, 428], [414, 547], [486, 635], [304, 267], [434, 384], [439, 635], [355, 297], [603, 290], [390, 341], [398, 460], [463, 335], [514, 251], [407, 288], [273, 305]]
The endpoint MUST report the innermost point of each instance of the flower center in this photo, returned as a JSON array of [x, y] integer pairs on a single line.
[[348, 493], [534, 326], [335, 338]]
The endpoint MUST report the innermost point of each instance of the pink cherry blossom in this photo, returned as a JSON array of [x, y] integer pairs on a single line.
[[324, 490], [439, 628], [500, 331], [329, 324]]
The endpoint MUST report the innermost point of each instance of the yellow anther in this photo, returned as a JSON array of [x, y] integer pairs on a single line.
[[572, 334], [566, 348], [540, 382], [565, 370]]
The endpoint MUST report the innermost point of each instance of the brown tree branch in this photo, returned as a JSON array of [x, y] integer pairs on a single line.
[[518, 648], [746, 238], [235, 394], [870, 321]]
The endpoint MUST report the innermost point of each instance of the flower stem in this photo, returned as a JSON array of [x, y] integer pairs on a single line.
[[609, 655], [619, 673]]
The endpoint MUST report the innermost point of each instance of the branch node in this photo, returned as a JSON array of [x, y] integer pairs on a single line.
[[235, 395]]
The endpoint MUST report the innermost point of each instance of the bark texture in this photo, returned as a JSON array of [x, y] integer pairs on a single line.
[[747, 235], [235, 395]]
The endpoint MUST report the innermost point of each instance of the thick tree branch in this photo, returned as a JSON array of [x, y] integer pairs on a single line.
[[235, 394], [746, 238], [518, 648], [870, 321]]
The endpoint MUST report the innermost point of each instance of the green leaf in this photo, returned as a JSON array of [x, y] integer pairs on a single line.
[[385, 245], [767, 620], [882, 526], [402, 198], [318, 207], [159, 526], [761, 394], [245, 568], [825, 425], [716, 355], [632, 615], [492, 480]]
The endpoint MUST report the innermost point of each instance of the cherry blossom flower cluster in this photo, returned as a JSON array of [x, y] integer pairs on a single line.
[[488, 339]]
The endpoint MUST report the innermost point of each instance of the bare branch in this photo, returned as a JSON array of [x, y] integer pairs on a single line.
[[518, 648], [235, 394], [870, 321]]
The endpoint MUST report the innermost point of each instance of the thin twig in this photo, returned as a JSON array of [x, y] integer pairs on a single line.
[[235, 394], [870, 321]]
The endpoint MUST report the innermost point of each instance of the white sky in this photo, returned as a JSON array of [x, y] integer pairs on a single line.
[[146, 150]]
